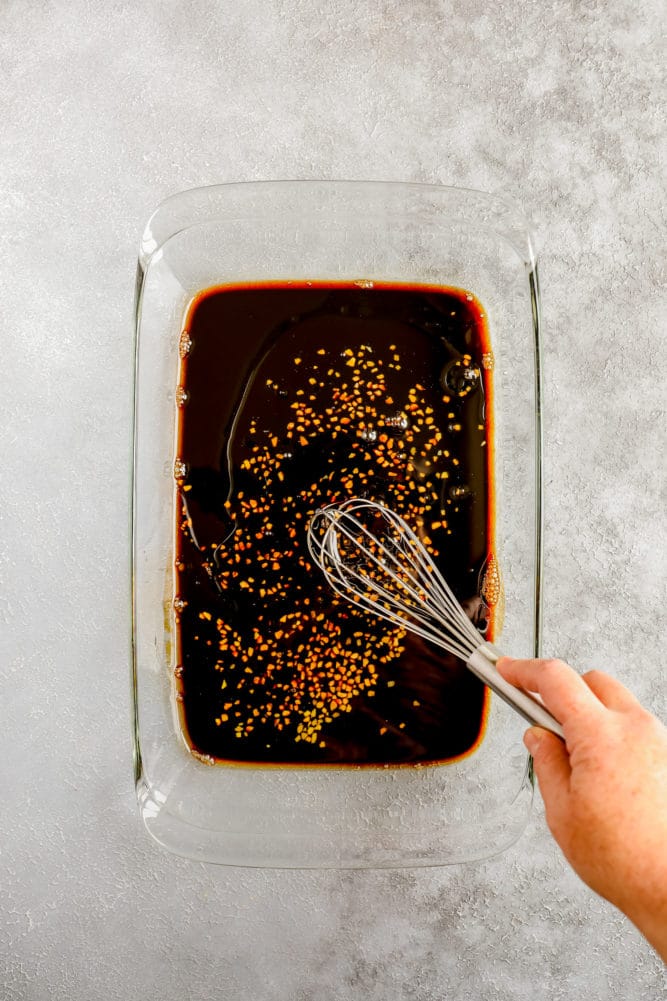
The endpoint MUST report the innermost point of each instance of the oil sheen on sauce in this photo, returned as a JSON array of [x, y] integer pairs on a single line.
[[295, 395]]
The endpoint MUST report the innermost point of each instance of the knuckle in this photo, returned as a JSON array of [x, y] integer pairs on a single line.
[[645, 719], [553, 665]]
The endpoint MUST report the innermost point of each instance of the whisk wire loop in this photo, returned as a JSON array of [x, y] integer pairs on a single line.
[[372, 557], [389, 573]]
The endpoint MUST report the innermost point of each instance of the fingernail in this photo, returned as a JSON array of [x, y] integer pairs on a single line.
[[532, 738]]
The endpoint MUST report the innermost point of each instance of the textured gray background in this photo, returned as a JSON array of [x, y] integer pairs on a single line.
[[106, 108]]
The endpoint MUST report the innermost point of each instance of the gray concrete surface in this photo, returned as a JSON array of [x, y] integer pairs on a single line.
[[106, 109]]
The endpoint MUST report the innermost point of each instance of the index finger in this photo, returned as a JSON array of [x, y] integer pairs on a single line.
[[563, 691]]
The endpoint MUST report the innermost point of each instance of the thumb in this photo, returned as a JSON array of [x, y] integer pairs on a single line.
[[552, 768]]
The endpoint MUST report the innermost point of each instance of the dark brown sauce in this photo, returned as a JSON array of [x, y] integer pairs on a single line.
[[290, 397]]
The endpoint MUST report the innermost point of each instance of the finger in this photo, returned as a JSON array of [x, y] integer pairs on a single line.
[[563, 691], [552, 768], [610, 691]]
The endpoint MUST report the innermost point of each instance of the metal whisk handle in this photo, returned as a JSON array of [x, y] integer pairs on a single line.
[[482, 662]]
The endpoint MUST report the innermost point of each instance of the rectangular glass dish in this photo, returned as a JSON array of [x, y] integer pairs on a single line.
[[322, 240]]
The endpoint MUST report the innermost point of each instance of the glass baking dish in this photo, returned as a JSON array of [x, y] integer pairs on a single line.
[[332, 231]]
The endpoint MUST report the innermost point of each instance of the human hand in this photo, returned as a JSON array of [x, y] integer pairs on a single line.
[[605, 788]]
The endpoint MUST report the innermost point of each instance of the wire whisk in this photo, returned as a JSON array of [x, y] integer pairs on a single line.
[[372, 557]]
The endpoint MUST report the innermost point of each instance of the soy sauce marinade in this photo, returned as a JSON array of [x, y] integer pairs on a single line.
[[290, 397]]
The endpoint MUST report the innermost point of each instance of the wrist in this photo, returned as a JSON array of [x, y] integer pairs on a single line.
[[650, 918]]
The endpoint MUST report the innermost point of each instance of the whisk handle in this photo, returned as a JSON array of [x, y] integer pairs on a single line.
[[482, 662]]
